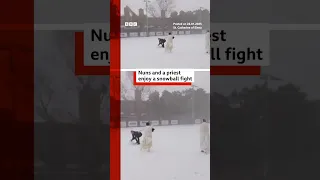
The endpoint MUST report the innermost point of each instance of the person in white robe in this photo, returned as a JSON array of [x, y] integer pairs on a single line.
[[146, 143], [207, 41], [169, 43], [204, 137]]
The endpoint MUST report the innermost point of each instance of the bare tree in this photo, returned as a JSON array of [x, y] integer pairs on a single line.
[[155, 8], [127, 86], [61, 46], [153, 11], [43, 96], [124, 92], [100, 82]]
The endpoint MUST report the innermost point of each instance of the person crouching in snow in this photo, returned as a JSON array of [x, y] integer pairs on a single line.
[[136, 136], [169, 43], [204, 137], [161, 42], [147, 137]]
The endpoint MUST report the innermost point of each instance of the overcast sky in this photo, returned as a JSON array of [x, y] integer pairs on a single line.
[[186, 5]]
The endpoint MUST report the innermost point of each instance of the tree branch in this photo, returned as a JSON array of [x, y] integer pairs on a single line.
[[152, 11], [45, 108]]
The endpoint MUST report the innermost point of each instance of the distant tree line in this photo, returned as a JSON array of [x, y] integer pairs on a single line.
[[185, 105], [192, 103]]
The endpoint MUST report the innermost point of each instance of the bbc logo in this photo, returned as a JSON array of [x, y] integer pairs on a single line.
[[131, 24]]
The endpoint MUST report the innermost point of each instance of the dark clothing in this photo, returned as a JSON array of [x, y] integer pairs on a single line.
[[161, 42], [136, 136]]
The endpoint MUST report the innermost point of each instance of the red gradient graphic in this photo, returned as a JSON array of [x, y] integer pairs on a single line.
[[235, 70], [114, 73], [135, 83], [80, 68], [115, 88], [17, 89]]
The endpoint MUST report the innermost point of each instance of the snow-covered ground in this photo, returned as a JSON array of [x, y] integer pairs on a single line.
[[143, 53], [175, 156]]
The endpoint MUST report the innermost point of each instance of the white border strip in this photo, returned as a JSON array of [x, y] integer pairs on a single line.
[[203, 70], [271, 26]]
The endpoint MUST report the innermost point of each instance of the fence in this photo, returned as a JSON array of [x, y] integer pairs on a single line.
[[125, 124], [158, 33]]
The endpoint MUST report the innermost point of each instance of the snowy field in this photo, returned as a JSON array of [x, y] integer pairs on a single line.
[[175, 156], [143, 53]]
